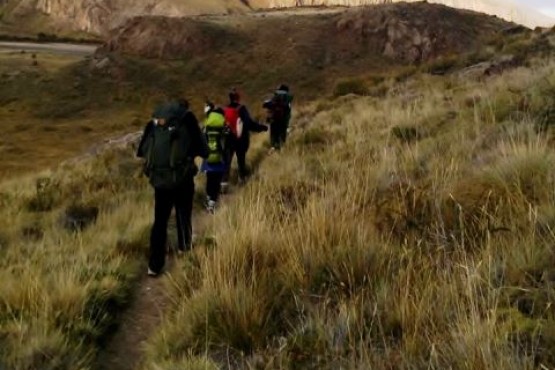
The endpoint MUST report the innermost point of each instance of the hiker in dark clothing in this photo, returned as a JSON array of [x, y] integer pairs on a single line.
[[240, 124], [169, 145], [279, 116]]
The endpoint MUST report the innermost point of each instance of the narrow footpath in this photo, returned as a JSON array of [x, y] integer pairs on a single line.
[[125, 350]]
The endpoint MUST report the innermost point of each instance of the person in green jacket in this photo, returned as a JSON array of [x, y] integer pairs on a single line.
[[215, 131]]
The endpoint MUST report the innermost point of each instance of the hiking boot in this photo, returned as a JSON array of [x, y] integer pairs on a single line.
[[206, 201], [211, 207]]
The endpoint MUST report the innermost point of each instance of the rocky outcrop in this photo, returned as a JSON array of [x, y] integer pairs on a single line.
[[416, 33], [99, 16], [489, 68], [88, 16]]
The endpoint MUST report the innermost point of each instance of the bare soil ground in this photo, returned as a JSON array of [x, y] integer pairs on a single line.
[[124, 351]]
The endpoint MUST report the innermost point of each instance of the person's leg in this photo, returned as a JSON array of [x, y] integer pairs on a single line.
[[278, 134], [179, 229], [274, 135], [231, 147], [285, 131], [213, 185], [163, 204], [213, 189], [184, 206], [218, 176], [209, 185], [242, 163]]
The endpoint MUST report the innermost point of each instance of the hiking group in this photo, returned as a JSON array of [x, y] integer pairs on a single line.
[[173, 139]]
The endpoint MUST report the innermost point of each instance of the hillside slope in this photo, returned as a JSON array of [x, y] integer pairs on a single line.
[[407, 33], [504, 9], [411, 231], [98, 16], [407, 229]]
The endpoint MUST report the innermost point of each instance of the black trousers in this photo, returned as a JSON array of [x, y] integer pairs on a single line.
[[278, 134], [234, 147], [164, 201], [214, 185]]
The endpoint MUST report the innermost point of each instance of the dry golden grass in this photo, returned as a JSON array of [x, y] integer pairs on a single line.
[[73, 243], [48, 115], [62, 288], [355, 248], [412, 228]]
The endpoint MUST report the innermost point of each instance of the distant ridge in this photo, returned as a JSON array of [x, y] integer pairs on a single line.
[[505, 9], [61, 17]]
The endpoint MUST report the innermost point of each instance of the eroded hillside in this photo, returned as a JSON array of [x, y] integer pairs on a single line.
[[402, 32]]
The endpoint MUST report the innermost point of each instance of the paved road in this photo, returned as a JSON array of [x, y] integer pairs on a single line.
[[57, 48]]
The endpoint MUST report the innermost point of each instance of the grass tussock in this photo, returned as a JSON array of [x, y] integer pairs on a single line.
[[70, 241], [413, 231]]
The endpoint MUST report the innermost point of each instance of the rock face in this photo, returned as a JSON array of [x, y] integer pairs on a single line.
[[86, 16], [98, 16], [415, 33]]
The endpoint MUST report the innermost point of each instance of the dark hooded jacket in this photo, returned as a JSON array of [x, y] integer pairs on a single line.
[[249, 125], [186, 122]]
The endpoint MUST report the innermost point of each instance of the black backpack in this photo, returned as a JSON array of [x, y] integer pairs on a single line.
[[279, 108], [166, 150]]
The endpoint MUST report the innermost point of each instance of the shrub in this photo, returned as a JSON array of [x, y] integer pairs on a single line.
[[406, 134], [47, 195], [441, 65], [79, 216], [351, 86]]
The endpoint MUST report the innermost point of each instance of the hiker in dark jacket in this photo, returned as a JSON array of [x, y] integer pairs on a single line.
[[240, 124], [279, 116], [170, 143]]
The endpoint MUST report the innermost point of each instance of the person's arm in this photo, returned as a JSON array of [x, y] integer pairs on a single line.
[[199, 147], [249, 123], [146, 133]]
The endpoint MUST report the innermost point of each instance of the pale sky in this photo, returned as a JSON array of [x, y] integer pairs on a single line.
[[545, 6]]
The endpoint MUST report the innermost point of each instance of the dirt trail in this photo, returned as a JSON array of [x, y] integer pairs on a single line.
[[125, 350], [56, 48]]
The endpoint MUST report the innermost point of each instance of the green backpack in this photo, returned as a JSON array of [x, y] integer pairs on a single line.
[[214, 129], [168, 164]]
